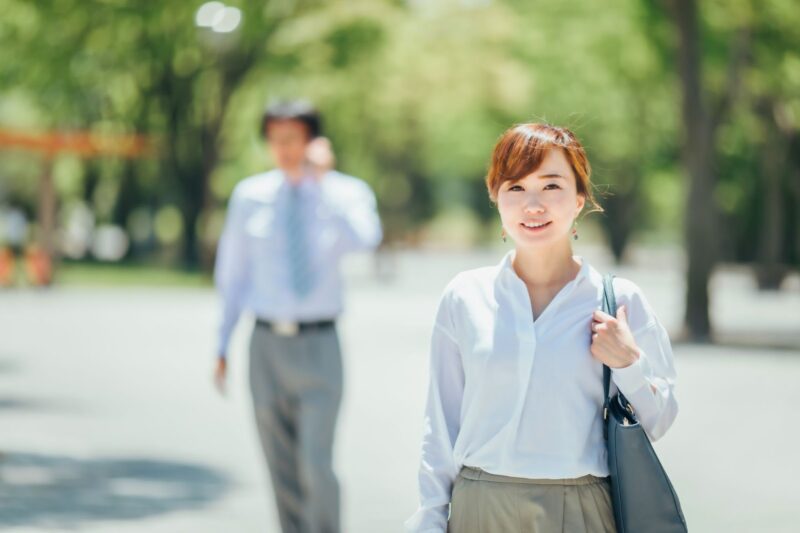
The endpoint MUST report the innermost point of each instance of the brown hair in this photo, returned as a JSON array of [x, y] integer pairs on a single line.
[[522, 148]]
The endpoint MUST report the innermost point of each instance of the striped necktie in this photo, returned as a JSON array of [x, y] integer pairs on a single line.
[[300, 269]]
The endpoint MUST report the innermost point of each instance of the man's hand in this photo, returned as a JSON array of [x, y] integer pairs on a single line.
[[319, 154], [612, 341], [220, 374]]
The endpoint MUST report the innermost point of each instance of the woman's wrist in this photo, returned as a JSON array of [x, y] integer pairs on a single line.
[[632, 355]]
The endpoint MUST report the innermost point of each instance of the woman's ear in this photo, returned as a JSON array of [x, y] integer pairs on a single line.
[[580, 203]]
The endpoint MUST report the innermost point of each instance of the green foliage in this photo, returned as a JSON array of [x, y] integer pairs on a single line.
[[414, 95]]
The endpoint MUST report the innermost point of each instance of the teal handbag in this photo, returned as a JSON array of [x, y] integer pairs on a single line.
[[642, 495]]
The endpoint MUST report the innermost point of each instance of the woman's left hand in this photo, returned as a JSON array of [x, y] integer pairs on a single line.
[[612, 341]]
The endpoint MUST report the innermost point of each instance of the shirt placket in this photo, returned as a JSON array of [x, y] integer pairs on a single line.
[[530, 332]]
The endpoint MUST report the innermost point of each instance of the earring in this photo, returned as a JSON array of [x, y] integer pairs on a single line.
[[575, 232], [503, 234]]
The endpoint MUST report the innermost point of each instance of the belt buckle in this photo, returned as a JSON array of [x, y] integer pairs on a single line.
[[286, 328]]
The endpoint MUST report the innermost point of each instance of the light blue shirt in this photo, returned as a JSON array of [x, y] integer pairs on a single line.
[[252, 271]]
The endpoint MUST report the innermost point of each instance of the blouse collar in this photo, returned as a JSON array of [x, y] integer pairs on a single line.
[[519, 291]]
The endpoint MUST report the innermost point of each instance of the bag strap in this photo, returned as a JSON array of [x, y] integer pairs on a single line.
[[609, 307]]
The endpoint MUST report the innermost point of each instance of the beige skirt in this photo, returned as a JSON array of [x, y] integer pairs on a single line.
[[487, 503]]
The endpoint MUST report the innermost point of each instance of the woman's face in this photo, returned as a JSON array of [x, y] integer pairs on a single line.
[[539, 209]]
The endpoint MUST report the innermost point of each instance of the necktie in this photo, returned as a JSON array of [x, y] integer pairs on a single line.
[[300, 270]]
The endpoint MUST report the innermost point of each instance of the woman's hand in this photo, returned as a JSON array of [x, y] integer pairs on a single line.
[[612, 341]]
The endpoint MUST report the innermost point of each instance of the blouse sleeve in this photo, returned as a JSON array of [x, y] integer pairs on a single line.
[[649, 383], [438, 468]]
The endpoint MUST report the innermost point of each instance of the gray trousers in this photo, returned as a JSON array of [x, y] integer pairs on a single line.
[[296, 383]]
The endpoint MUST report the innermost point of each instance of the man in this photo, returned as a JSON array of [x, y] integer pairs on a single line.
[[278, 257]]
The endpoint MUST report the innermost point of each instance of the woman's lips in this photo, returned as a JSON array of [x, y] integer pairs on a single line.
[[534, 230]]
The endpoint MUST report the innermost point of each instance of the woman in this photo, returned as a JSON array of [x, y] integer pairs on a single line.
[[513, 436]]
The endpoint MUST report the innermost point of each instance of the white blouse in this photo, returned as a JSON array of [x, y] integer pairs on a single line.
[[523, 398]]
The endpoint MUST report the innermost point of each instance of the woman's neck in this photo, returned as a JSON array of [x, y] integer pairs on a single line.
[[542, 267]]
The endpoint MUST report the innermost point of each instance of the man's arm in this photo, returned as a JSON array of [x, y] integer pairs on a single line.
[[354, 207], [230, 278], [355, 214]]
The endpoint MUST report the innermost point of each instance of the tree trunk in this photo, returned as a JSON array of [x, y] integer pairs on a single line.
[[623, 208], [698, 151], [47, 209], [770, 269], [794, 190], [191, 252]]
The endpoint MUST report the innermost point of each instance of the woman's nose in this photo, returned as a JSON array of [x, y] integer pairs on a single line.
[[533, 204]]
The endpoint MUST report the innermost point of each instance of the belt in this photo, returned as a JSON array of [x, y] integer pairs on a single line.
[[288, 328]]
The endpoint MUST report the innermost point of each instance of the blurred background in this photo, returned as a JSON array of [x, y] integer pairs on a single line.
[[124, 127]]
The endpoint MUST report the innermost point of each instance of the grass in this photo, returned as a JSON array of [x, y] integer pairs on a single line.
[[127, 274]]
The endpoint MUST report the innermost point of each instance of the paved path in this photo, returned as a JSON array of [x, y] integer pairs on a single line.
[[109, 421]]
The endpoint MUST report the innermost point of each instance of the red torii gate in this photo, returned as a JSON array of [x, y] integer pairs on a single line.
[[84, 144]]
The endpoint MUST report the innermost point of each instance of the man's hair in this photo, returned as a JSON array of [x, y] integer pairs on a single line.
[[300, 110]]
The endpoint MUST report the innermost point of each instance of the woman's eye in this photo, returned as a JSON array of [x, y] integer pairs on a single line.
[[553, 185], [515, 188]]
